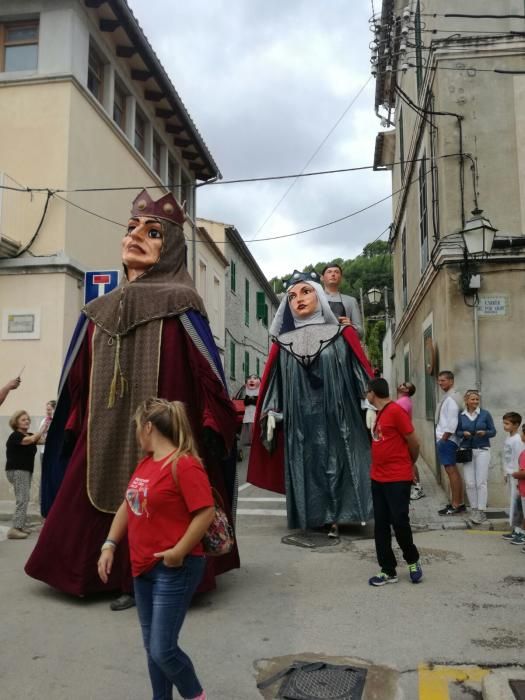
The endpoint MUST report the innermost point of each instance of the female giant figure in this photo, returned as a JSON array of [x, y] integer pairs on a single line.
[[312, 443], [148, 337]]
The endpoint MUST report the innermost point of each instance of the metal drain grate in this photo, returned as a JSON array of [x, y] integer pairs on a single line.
[[304, 680], [310, 539], [518, 688]]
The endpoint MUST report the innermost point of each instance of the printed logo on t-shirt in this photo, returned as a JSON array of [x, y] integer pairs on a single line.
[[377, 433], [137, 496]]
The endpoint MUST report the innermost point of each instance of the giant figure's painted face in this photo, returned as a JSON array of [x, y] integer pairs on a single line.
[[253, 382], [302, 299], [142, 244]]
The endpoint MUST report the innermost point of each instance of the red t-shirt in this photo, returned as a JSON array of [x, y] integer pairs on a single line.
[[391, 459], [159, 511]]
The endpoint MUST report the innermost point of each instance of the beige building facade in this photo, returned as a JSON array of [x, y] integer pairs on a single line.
[[85, 106], [451, 91], [250, 307]]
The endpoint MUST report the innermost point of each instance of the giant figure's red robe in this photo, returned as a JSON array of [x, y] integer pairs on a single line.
[[68, 547]]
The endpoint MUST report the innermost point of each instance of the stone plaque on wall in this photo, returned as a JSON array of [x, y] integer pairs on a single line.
[[21, 324], [494, 305]]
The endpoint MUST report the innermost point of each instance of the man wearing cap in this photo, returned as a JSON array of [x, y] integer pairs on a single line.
[[149, 337]]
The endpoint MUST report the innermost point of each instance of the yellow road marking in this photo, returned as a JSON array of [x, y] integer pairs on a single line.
[[434, 681]]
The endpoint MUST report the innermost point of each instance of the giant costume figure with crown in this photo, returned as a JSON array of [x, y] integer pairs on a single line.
[[148, 337], [310, 440]]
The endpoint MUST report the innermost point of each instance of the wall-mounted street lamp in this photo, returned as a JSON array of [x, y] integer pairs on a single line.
[[374, 296], [478, 237]]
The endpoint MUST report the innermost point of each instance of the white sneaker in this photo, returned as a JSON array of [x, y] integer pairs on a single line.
[[416, 492], [15, 534]]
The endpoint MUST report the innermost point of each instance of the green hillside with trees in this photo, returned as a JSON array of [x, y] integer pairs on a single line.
[[372, 268]]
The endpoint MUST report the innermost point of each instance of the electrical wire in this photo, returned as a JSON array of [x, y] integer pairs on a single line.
[[88, 211], [285, 235], [465, 16], [333, 128], [35, 235], [167, 186]]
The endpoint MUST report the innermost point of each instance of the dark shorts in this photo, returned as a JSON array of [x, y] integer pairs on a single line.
[[446, 450]]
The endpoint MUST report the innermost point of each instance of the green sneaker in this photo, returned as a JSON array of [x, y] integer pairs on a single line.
[[382, 579], [416, 572]]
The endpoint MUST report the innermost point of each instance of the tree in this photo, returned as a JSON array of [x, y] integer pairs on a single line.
[[372, 268]]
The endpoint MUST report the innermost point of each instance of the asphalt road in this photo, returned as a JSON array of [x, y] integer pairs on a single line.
[[285, 603]]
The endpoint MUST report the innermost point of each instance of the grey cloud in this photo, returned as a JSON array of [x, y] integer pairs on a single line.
[[264, 81]]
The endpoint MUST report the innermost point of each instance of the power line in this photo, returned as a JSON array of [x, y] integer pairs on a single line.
[[345, 112], [465, 16], [269, 238], [79, 190]]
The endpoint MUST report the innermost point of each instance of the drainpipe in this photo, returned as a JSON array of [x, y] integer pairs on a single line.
[[476, 347]]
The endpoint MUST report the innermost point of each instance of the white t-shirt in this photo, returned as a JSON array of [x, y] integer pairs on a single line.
[[512, 448]]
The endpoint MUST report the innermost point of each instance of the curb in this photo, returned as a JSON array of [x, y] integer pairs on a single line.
[[496, 685]]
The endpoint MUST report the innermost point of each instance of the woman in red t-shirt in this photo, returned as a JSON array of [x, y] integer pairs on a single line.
[[167, 510]]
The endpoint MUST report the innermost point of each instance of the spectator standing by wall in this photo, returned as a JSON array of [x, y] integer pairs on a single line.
[[20, 462], [405, 391], [475, 429], [447, 414], [46, 420], [512, 448]]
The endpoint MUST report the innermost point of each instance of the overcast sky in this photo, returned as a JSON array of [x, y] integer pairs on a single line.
[[265, 81]]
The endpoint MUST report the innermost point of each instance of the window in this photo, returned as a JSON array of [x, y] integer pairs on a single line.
[[233, 273], [232, 359], [406, 363], [186, 193], [423, 211], [404, 282], [247, 302], [95, 80], [19, 46], [419, 52], [262, 308], [258, 367], [140, 132], [401, 144], [157, 150], [430, 385], [246, 364], [119, 105]]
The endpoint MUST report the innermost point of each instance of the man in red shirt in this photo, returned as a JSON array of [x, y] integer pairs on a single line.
[[395, 448]]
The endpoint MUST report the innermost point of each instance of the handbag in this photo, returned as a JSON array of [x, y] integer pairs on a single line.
[[220, 537], [464, 454]]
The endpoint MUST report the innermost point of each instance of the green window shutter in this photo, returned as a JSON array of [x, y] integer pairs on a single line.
[[430, 382], [233, 281], [261, 303], [232, 359], [246, 364], [247, 302]]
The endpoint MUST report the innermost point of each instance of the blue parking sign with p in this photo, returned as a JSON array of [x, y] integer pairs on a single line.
[[99, 282]]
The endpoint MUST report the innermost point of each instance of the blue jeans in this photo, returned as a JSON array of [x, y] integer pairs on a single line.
[[163, 596]]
